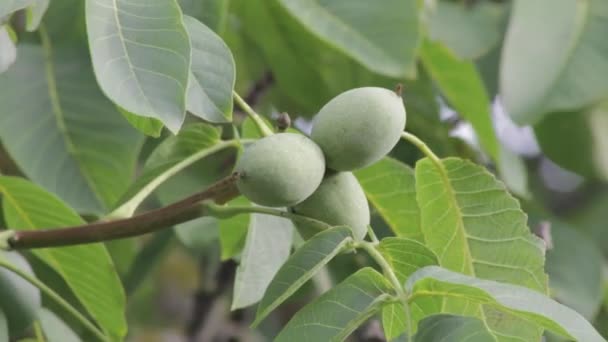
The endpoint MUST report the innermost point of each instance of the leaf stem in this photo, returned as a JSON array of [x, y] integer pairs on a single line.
[[179, 212], [221, 211], [127, 208], [372, 235], [55, 297], [257, 119], [373, 252]]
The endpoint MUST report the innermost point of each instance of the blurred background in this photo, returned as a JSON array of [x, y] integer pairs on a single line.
[[554, 159]]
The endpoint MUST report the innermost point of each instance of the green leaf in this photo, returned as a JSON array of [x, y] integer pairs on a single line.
[[536, 79], [575, 279], [66, 137], [267, 247], [463, 87], [441, 328], [475, 227], [405, 257], [212, 74], [394, 321], [34, 14], [233, 230], [87, 269], [389, 187], [148, 126], [301, 266], [173, 155], [586, 149], [339, 311], [470, 31], [437, 282], [55, 330], [382, 38], [8, 51], [141, 56]]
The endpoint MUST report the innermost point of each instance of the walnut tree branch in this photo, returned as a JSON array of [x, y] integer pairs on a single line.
[[182, 211]]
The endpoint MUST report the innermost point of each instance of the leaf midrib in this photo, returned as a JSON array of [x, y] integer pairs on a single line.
[[59, 114], [128, 57]]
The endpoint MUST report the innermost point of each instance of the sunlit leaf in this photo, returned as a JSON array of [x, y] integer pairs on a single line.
[[476, 227], [405, 257], [529, 305], [389, 187], [87, 269]]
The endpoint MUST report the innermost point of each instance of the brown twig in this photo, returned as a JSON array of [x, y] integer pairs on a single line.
[[182, 211]]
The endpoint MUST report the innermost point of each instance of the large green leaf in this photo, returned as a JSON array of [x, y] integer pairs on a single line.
[[87, 269], [55, 330], [301, 266], [389, 187], [141, 56], [405, 257], [475, 227], [461, 84], [339, 311], [586, 149], [470, 31], [66, 137], [539, 78], [212, 74], [8, 51], [443, 328], [176, 153], [575, 279], [534, 307], [267, 247], [382, 38]]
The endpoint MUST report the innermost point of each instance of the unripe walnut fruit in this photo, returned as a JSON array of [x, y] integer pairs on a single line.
[[339, 201], [19, 300], [359, 127], [280, 170]]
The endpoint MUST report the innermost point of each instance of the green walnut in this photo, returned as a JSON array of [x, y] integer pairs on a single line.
[[19, 300], [339, 201], [280, 170], [359, 127]]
